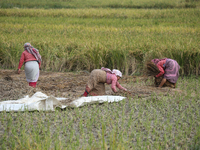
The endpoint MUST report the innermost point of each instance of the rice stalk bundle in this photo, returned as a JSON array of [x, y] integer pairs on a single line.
[[152, 69]]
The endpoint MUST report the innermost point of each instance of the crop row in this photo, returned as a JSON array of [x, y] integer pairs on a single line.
[[167, 14], [57, 4]]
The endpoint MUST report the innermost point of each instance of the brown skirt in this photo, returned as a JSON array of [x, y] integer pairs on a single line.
[[96, 82]]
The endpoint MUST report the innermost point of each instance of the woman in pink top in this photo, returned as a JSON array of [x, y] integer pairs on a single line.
[[32, 60], [98, 77], [169, 69]]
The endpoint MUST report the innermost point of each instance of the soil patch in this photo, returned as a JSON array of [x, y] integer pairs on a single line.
[[71, 85]]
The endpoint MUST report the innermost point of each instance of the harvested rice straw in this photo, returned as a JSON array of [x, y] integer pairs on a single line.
[[152, 69]]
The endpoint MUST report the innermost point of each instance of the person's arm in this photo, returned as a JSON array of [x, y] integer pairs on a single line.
[[113, 84], [21, 61], [120, 87], [160, 67], [162, 82]]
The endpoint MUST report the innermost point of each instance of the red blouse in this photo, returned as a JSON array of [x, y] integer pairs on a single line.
[[26, 56], [112, 79]]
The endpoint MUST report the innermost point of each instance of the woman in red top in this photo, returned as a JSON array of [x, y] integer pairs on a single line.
[[98, 77], [169, 69], [32, 60]]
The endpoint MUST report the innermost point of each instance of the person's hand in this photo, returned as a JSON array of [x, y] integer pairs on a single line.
[[128, 92], [18, 71]]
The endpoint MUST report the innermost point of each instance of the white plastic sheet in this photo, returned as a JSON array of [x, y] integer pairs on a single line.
[[40, 101]]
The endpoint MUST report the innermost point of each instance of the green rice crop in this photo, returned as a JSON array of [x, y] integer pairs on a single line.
[[155, 122], [57, 4], [85, 39]]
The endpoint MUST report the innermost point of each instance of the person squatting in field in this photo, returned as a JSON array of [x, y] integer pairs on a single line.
[[97, 79], [32, 60], [169, 69]]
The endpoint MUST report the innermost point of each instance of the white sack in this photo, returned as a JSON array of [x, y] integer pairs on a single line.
[[40, 101]]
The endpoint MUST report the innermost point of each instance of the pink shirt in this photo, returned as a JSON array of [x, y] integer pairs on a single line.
[[161, 67], [26, 56], [112, 79]]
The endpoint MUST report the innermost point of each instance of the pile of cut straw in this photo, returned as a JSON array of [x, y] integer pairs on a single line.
[[152, 69]]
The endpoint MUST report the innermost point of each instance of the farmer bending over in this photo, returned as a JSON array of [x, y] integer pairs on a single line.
[[169, 68], [97, 79]]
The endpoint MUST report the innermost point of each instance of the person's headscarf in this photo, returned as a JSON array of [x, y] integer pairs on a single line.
[[114, 71], [117, 72], [155, 61], [33, 51]]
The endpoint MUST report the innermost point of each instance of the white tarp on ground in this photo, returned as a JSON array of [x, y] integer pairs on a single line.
[[40, 101]]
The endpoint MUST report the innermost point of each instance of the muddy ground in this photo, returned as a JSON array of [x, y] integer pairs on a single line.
[[71, 85]]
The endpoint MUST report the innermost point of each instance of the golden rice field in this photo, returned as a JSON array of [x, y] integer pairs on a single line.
[[84, 39]]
